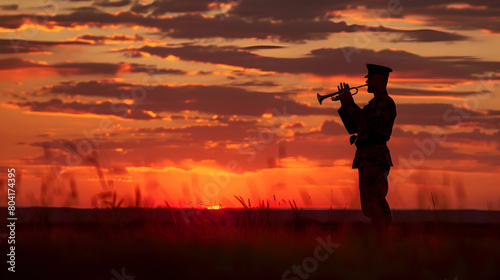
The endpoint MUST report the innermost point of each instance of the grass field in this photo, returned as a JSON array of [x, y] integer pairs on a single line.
[[243, 244]]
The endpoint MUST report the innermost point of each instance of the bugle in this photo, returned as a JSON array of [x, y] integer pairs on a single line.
[[336, 95]]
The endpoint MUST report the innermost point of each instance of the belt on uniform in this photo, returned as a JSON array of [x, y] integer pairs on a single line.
[[368, 142]]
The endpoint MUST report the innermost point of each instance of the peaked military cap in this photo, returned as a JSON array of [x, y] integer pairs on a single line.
[[377, 69]]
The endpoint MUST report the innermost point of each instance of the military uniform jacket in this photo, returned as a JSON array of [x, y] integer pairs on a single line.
[[373, 124]]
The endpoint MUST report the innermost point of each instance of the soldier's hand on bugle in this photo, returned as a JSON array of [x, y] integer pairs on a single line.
[[345, 97]]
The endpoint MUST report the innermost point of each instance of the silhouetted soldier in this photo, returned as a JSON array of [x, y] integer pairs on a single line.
[[373, 125]]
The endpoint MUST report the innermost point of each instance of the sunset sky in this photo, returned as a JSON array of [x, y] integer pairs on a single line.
[[194, 102]]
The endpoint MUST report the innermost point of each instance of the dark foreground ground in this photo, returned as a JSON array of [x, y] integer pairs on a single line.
[[247, 244]]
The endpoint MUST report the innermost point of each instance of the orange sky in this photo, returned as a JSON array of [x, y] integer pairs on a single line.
[[193, 102]]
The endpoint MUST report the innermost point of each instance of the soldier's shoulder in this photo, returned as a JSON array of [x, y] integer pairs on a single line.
[[386, 101], [386, 98]]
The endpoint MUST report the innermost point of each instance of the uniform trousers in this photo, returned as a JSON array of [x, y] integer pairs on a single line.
[[373, 188]]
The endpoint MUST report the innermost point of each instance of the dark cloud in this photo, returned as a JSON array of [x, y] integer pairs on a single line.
[[331, 127], [14, 45], [105, 108], [208, 141], [475, 137], [153, 146], [463, 15], [328, 127], [113, 38], [196, 25], [88, 68], [410, 148], [69, 68], [261, 47], [440, 114], [103, 89], [109, 3], [13, 63], [427, 36], [347, 61], [79, 17], [468, 15], [482, 22], [227, 101], [160, 7], [152, 70], [261, 19], [282, 9], [85, 9], [11, 7], [255, 84], [207, 99], [13, 21]]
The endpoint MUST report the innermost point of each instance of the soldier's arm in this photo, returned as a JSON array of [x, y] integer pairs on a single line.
[[349, 112], [350, 115]]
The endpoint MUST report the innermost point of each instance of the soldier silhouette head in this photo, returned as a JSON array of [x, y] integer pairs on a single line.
[[377, 78]]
